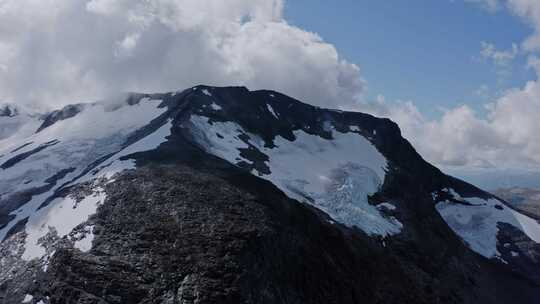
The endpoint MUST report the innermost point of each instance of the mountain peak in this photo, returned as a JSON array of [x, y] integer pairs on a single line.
[[225, 189], [9, 110]]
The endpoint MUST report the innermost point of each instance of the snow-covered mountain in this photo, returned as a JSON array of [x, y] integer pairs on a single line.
[[225, 195], [16, 120]]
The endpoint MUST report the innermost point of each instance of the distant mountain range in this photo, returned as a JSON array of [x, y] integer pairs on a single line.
[[526, 200]]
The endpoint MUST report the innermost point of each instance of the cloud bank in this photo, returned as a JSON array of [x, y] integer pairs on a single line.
[[507, 137], [55, 52]]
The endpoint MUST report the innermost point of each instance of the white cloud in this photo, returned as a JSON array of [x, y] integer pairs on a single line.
[[506, 137], [530, 11], [500, 58], [62, 51]]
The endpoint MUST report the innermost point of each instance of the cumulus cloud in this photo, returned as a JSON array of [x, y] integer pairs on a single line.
[[506, 137], [55, 52]]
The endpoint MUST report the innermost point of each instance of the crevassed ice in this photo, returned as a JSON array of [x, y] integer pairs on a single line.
[[334, 175], [477, 224], [345, 198]]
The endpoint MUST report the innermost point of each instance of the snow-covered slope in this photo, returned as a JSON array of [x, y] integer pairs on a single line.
[[16, 122], [68, 152], [58, 170], [330, 166], [319, 157], [478, 221], [338, 165], [336, 175]]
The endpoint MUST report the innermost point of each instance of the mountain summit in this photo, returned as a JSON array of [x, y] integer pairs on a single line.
[[225, 195]]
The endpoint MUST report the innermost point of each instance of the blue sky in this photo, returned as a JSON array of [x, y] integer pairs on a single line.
[[430, 53], [422, 50]]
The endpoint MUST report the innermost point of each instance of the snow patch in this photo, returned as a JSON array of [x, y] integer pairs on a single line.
[[386, 206], [215, 107], [335, 175], [271, 110], [477, 223], [219, 138], [93, 133], [206, 92], [115, 165], [60, 217], [45, 260], [85, 239], [452, 192], [27, 298], [327, 126]]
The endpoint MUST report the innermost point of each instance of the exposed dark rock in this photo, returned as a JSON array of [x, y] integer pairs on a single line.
[[18, 199], [21, 147], [162, 237], [8, 111], [68, 111], [19, 226], [20, 157]]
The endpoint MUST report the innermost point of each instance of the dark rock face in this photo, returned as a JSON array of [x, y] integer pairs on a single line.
[[12, 202], [162, 237], [8, 111], [65, 113], [188, 227], [20, 157]]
